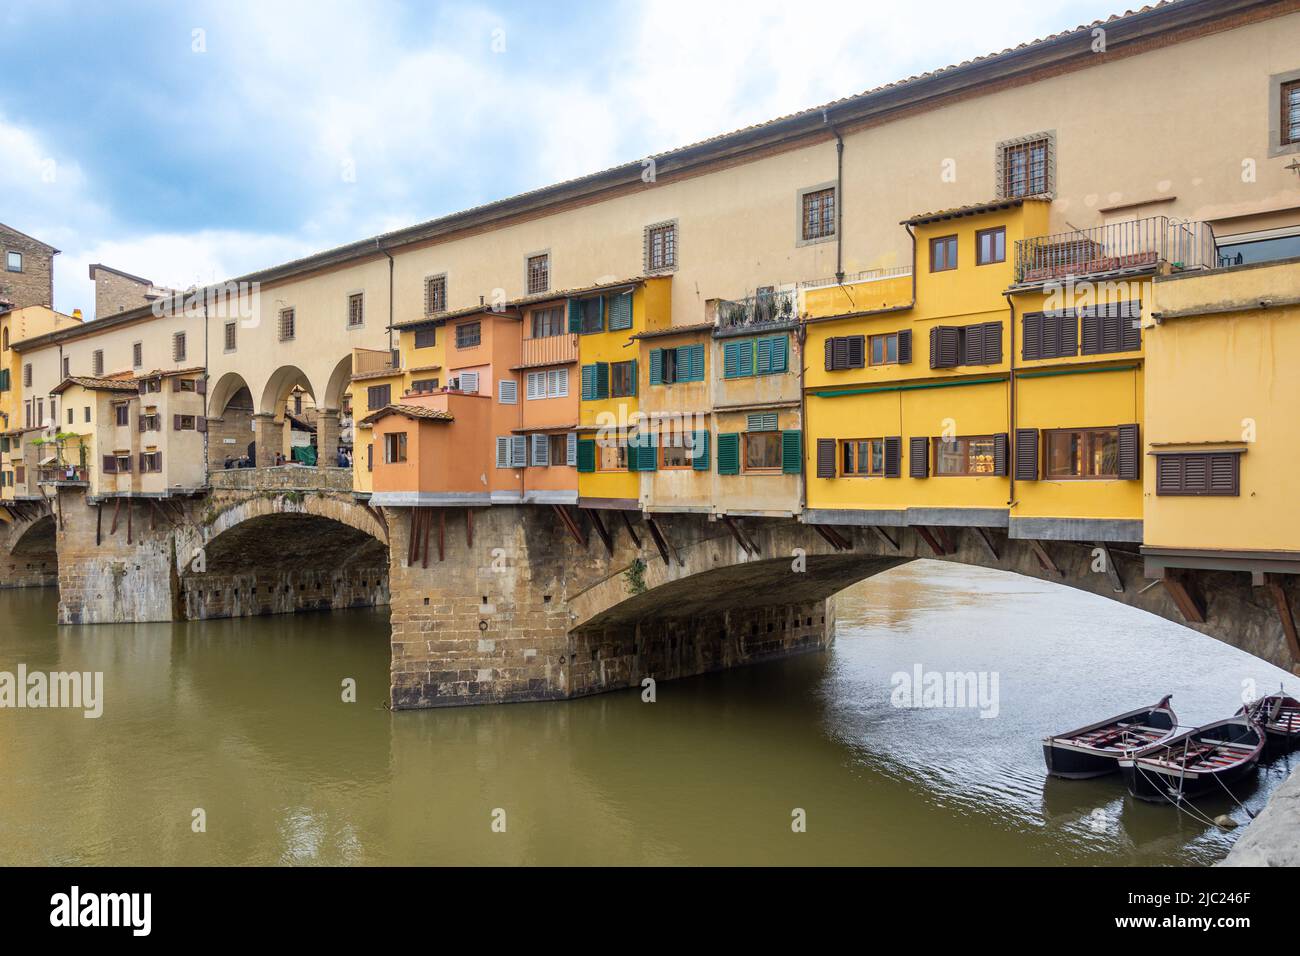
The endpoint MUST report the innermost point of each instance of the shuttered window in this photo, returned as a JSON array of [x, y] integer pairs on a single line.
[[918, 457], [377, 396], [469, 335], [973, 456], [620, 311], [846, 351], [571, 448], [953, 345], [1026, 454], [862, 457], [1112, 327], [1049, 335], [682, 364], [826, 458], [508, 392], [729, 453], [585, 451], [426, 338], [738, 359], [541, 450], [761, 422], [643, 452], [595, 382], [587, 316], [1200, 473], [622, 379]]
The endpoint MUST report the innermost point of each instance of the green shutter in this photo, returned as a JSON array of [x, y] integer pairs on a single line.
[[701, 449], [729, 454], [634, 379], [4, 379], [763, 356], [792, 452], [602, 380], [738, 359], [620, 311], [642, 454], [588, 383], [656, 366], [586, 454], [779, 347], [575, 316], [690, 363]]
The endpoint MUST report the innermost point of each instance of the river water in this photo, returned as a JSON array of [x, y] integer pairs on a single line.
[[244, 721]]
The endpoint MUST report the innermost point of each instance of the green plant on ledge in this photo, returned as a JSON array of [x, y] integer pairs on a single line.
[[635, 575]]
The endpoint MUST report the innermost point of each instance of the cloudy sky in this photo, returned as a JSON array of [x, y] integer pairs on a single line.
[[190, 142]]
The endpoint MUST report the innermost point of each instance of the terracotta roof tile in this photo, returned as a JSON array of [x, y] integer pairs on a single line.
[[410, 411]]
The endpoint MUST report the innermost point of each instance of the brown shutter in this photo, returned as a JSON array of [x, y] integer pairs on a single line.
[[992, 343], [1225, 474], [140, 386], [176, 423], [201, 386], [1069, 333], [826, 458], [1031, 336], [830, 354], [370, 457], [1128, 468], [176, 384], [893, 456], [200, 423], [840, 350], [945, 346], [1169, 474], [904, 346], [972, 342], [110, 464], [1026, 454], [1131, 326], [1196, 474], [918, 457], [157, 460], [857, 351], [144, 462], [1000, 454], [1110, 327], [1091, 332]]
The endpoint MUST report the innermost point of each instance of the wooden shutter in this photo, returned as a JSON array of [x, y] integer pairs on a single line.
[[918, 457], [1130, 454], [700, 449], [1224, 474], [656, 366], [729, 453], [780, 353], [201, 386], [620, 311], [945, 346], [830, 354], [1196, 474], [904, 346], [857, 351], [588, 383], [992, 351], [200, 424], [602, 380], [1069, 326], [792, 451], [518, 451], [762, 351], [826, 458], [1031, 336], [1091, 323], [839, 352], [176, 423], [575, 315], [1026, 454], [370, 457], [586, 454], [1130, 326], [972, 345], [110, 464], [1212, 473], [1111, 337], [571, 449], [144, 462], [695, 354], [541, 450], [893, 456], [1000, 454], [140, 386], [1169, 474], [503, 452]]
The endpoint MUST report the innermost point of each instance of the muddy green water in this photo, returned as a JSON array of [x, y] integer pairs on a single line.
[[244, 719]]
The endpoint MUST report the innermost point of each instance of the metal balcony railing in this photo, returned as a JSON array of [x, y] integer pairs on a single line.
[[851, 278], [366, 361], [1138, 245], [550, 350], [48, 473], [765, 308]]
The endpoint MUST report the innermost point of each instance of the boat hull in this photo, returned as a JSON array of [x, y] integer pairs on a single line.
[[1161, 786], [1071, 764]]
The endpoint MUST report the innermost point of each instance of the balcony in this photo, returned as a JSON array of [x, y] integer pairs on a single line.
[[549, 350], [1138, 246], [765, 308], [368, 362], [47, 474]]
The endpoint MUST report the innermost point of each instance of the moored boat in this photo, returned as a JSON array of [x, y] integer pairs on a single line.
[[1194, 762], [1094, 750], [1279, 715]]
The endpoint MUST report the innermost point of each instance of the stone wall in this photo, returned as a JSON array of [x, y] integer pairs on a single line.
[[34, 285], [28, 555], [116, 293]]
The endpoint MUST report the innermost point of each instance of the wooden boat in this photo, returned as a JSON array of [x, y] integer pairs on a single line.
[[1188, 764], [1094, 750], [1279, 715]]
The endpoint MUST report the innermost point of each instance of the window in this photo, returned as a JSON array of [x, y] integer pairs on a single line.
[[673, 452], [762, 451], [4, 380], [1112, 327], [953, 345], [27, 375], [512, 451], [1236, 251], [96, 362], [884, 349], [4, 340], [661, 247], [466, 382], [70, 413], [435, 295], [424, 385], [1290, 127], [287, 329], [990, 246], [591, 315], [230, 337], [394, 448], [611, 454], [151, 461], [1049, 335], [356, 310], [765, 356], [122, 413], [185, 423], [553, 383], [1083, 453], [539, 273], [1025, 166], [966, 456], [87, 413], [817, 208], [682, 364], [1202, 473], [67, 366], [845, 351], [547, 322], [14, 262], [559, 449], [862, 457], [469, 335], [595, 381], [508, 391], [178, 347], [137, 348], [426, 338], [943, 254], [620, 311], [153, 385], [622, 379], [377, 396]]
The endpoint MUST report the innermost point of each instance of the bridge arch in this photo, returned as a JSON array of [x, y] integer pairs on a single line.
[[338, 383], [278, 387], [28, 550]]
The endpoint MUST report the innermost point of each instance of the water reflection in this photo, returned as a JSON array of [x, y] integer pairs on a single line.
[[245, 720]]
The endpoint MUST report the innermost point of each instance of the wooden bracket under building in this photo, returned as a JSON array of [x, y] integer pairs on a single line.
[[601, 531], [627, 523], [833, 537], [117, 506], [930, 539], [571, 525], [1111, 568], [1044, 559], [469, 527], [883, 535], [738, 533], [1183, 591], [1282, 602], [661, 541], [982, 536]]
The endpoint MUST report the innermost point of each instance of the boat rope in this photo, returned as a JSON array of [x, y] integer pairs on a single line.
[[1194, 812], [1234, 798]]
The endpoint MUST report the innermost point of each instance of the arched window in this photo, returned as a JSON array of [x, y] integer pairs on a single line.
[[4, 340]]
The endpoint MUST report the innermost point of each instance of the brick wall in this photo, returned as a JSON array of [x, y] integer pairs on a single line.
[[34, 285], [116, 293]]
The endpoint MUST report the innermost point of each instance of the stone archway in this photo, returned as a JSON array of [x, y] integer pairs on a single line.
[[28, 552]]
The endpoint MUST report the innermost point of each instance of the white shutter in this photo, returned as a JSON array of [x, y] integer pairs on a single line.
[[469, 382], [573, 449], [518, 451], [557, 385], [508, 391], [541, 450], [536, 385], [503, 452]]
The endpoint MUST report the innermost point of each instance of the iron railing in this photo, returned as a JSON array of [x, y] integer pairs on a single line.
[[765, 308], [1138, 245], [850, 278]]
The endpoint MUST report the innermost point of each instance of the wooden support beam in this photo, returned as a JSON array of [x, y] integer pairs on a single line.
[[442, 536], [469, 527], [117, 506], [412, 537], [130, 511], [945, 539], [1044, 559], [1111, 568], [566, 519], [59, 504], [153, 514], [741, 538], [99, 523], [883, 535], [924, 532], [985, 539], [627, 523], [1282, 602], [660, 542], [1182, 590], [601, 531], [826, 535]]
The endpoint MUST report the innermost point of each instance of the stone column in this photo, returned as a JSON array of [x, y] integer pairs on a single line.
[[327, 437], [268, 432]]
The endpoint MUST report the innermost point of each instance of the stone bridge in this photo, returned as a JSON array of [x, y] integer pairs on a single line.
[[513, 603]]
